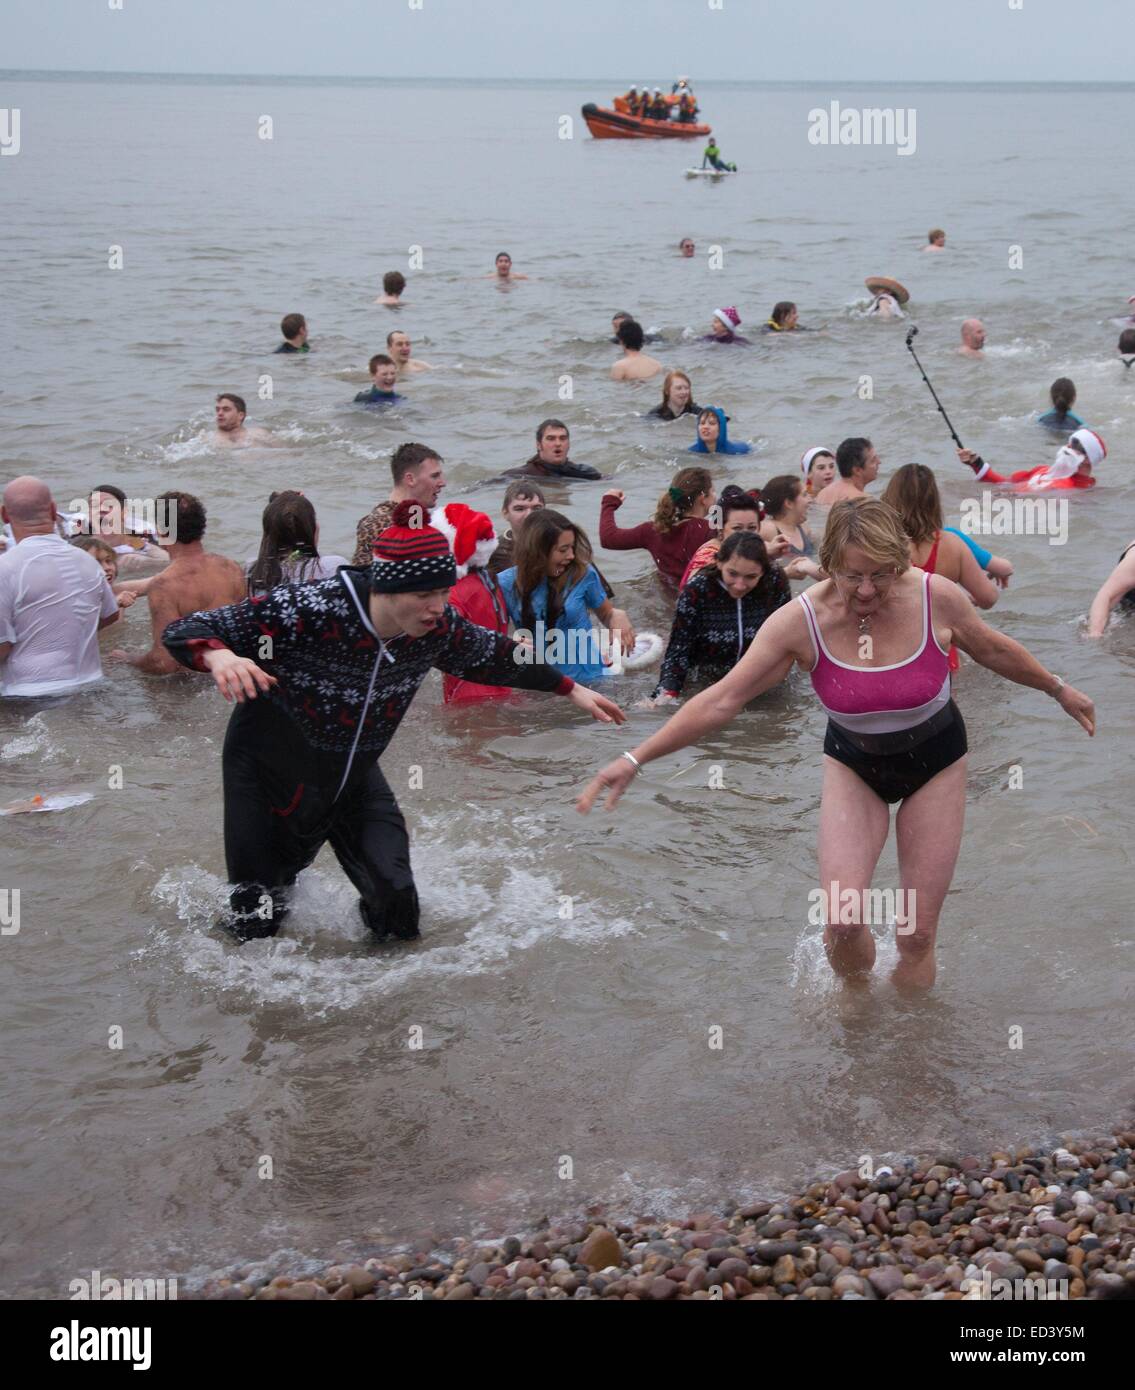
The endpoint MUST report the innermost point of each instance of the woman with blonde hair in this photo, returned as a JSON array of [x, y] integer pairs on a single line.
[[874, 637], [677, 398], [678, 528]]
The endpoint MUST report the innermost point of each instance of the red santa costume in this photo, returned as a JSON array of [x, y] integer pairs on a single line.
[[1072, 468], [476, 595]]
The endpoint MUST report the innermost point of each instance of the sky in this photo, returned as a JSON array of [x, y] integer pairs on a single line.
[[615, 40]]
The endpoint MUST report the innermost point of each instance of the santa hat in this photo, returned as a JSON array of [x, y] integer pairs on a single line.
[[809, 455], [1092, 445], [729, 317], [470, 535], [411, 556]]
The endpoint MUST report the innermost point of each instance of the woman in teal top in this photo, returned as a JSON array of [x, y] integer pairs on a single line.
[[551, 593]]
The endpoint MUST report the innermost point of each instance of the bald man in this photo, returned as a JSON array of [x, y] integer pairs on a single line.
[[54, 599], [973, 338]]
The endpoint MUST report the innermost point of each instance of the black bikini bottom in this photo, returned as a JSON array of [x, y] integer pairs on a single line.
[[897, 765]]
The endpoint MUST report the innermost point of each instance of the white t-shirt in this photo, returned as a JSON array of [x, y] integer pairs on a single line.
[[52, 597]]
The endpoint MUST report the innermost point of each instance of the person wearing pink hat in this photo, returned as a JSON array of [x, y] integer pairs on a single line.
[[1072, 467], [723, 326]]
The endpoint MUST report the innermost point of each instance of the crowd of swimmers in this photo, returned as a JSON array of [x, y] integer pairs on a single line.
[[518, 601]]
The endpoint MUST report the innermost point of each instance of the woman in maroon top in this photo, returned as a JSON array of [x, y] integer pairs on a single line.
[[679, 526]]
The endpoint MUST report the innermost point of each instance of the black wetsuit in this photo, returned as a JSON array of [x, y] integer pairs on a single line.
[[301, 763], [663, 412], [285, 346], [537, 468]]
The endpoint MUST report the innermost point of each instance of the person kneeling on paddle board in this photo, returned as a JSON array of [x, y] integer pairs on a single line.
[[1072, 467], [711, 155], [338, 662]]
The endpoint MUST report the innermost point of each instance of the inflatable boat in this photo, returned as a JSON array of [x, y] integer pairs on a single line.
[[616, 123]]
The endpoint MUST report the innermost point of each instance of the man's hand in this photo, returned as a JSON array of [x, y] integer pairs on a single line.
[[237, 677], [126, 598], [1079, 706], [598, 706], [615, 778]]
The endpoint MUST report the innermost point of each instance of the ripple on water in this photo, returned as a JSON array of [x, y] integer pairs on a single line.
[[326, 960]]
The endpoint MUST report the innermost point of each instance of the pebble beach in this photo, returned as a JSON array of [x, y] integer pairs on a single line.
[[1023, 1223]]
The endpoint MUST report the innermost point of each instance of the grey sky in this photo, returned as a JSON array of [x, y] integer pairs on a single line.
[[614, 40]]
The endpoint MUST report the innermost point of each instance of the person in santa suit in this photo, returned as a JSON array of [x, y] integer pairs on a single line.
[[476, 595], [1072, 467]]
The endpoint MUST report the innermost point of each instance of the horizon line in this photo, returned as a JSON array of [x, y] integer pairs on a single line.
[[557, 81]]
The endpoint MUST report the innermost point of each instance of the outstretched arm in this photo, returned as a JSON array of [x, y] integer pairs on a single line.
[[782, 640], [1002, 655], [1119, 582]]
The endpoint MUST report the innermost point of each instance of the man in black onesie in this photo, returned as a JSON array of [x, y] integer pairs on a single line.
[[339, 661]]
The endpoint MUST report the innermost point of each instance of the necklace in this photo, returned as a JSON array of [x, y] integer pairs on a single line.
[[865, 624]]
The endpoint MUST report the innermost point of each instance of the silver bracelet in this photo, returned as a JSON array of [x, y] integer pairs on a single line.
[[630, 757], [1059, 686]]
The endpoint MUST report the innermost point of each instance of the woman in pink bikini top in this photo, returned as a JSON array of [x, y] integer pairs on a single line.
[[874, 637]]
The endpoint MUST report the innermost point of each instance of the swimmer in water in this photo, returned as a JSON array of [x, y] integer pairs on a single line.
[[231, 431], [1072, 467], [973, 339], [858, 465], [676, 530], [735, 510], [300, 759], [195, 578], [713, 434], [106, 557], [723, 326], [888, 297], [1117, 590], [384, 373], [621, 317], [551, 457], [1126, 348], [937, 240], [785, 318], [634, 365], [502, 269], [677, 399], [893, 734], [293, 328], [402, 349], [719, 612], [786, 504], [1060, 418], [686, 247], [393, 283], [819, 469]]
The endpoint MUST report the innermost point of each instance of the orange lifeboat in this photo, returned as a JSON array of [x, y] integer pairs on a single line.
[[616, 123]]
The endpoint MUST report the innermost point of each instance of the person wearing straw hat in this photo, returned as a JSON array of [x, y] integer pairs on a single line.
[[889, 297]]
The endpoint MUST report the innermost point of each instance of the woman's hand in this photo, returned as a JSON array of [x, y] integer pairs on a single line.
[[1079, 706], [621, 625], [615, 778], [616, 496], [596, 705], [1000, 571], [237, 677], [657, 701], [777, 546]]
